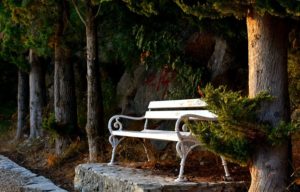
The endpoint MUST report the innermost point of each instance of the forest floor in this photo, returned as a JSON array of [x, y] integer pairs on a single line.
[[202, 166], [38, 156]]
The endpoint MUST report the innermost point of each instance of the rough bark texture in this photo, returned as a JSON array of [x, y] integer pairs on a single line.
[[36, 86], [23, 98], [64, 87], [267, 38], [94, 126]]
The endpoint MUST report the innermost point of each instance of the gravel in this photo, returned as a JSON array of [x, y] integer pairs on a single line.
[[10, 181]]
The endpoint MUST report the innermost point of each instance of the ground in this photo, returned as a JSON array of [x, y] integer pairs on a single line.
[[38, 156]]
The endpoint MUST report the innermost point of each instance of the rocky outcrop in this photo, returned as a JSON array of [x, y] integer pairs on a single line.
[[100, 177], [137, 89], [220, 62]]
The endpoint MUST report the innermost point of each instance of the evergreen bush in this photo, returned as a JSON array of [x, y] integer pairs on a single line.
[[238, 130]]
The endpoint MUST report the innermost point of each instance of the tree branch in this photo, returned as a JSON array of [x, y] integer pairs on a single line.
[[98, 11], [78, 13]]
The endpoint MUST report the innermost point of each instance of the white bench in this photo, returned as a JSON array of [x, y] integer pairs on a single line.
[[177, 110]]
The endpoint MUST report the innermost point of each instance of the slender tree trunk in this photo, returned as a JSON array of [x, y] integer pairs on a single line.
[[23, 97], [36, 93], [267, 45], [94, 126], [64, 87]]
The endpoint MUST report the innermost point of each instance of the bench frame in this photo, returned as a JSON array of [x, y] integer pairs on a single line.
[[165, 110]]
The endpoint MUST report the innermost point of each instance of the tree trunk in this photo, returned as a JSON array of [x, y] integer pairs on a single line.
[[267, 46], [64, 87], [64, 97], [23, 97], [36, 93], [94, 126]]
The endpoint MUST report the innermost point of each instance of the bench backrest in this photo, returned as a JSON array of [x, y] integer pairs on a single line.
[[186, 103], [173, 109]]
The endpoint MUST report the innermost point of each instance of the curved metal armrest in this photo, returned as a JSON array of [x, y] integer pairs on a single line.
[[115, 123], [183, 127]]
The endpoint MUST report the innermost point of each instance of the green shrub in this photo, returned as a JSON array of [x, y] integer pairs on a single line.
[[238, 130]]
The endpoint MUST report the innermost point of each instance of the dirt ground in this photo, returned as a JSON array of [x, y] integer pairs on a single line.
[[38, 156]]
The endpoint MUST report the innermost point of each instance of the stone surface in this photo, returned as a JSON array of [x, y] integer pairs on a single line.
[[137, 89], [219, 61], [104, 178], [14, 178]]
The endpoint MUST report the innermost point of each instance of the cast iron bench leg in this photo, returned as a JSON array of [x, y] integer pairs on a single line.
[[114, 141], [227, 174], [183, 148]]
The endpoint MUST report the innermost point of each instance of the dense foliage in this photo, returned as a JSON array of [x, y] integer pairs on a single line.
[[238, 8], [238, 129]]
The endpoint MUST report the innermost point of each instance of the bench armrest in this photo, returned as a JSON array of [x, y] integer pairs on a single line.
[[114, 122], [179, 127]]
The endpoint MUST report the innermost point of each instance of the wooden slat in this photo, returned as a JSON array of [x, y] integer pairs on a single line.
[[186, 103], [204, 114]]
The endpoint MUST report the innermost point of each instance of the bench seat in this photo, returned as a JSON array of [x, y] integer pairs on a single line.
[[153, 134]]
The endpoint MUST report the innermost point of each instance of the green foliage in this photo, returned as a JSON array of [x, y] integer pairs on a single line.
[[36, 19], [282, 131], [231, 106], [238, 130], [158, 47], [12, 50], [25, 25], [154, 41], [49, 124], [116, 38], [198, 9], [238, 8], [142, 7], [187, 81], [161, 37], [237, 149], [56, 129]]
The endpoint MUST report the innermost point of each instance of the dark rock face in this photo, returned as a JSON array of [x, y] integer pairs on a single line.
[[220, 62], [137, 89]]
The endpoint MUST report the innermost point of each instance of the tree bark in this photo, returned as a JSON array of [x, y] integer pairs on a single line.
[[94, 126], [267, 46], [23, 98], [36, 92], [65, 108]]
